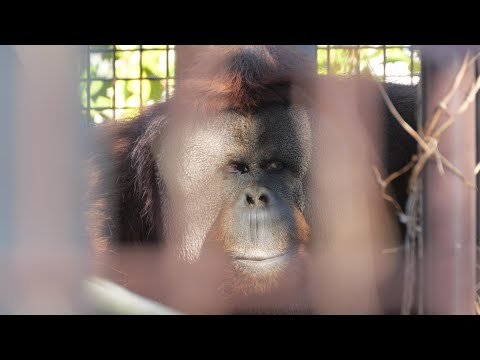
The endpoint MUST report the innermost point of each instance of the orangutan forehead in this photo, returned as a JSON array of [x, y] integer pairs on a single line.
[[265, 125], [274, 131]]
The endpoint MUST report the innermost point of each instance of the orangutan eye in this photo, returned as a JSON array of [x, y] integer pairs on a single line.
[[237, 168], [275, 165]]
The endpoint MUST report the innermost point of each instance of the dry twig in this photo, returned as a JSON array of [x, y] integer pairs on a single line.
[[429, 143]]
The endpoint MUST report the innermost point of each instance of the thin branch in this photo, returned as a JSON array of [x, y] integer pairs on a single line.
[[402, 171], [443, 104], [457, 172], [470, 98], [399, 117]]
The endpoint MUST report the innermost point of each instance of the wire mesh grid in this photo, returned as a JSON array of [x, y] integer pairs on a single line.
[[120, 79], [390, 63]]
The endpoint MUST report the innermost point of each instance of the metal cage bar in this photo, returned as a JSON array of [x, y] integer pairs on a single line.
[[449, 221], [46, 259]]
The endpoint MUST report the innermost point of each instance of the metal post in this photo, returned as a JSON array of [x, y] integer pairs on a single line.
[[477, 160], [449, 205], [7, 59], [48, 254], [7, 68]]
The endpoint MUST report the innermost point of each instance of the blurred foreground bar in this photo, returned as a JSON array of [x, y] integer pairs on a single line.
[[309, 50], [7, 65], [47, 257], [348, 264], [449, 205]]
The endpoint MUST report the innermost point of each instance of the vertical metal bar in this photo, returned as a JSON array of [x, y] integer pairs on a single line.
[[141, 77], [114, 82], [89, 80], [449, 205], [420, 204], [49, 256], [7, 88], [477, 160], [384, 62], [7, 58], [411, 65], [167, 75], [328, 59], [357, 59]]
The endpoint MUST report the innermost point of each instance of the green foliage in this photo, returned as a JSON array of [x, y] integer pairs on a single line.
[[126, 78], [393, 64]]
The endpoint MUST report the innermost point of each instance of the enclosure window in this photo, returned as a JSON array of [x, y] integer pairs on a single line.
[[390, 63], [120, 79]]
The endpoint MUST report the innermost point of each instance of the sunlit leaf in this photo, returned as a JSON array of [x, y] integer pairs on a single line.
[[119, 93], [101, 116], [127, 47], [322, 61], [146, 90], [416, 63], [96, 88], [395, 55], [102, 101], [156, 90], [127, 64], [133, 91], [171, 63], [154, 46], [100, 67], [96, 47], [151, 62]]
